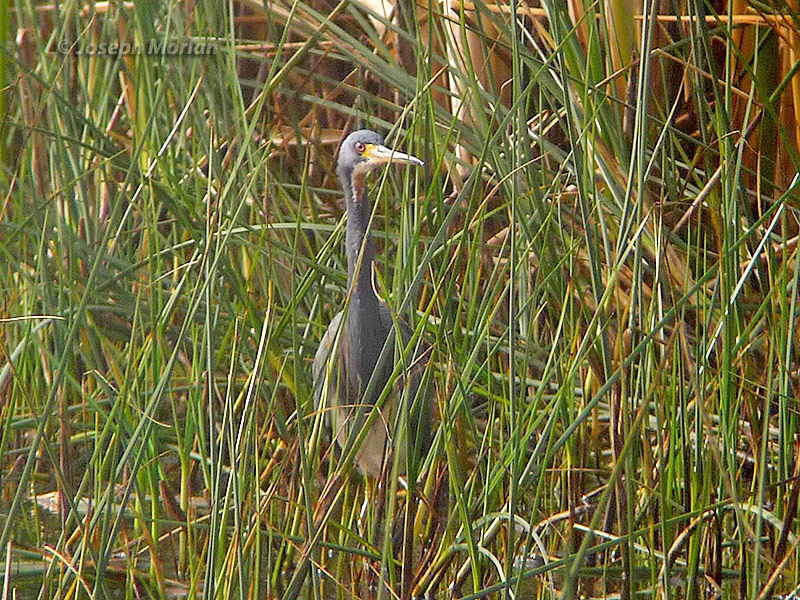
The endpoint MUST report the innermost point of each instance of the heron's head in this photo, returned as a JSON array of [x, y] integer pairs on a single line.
[[363, 150]]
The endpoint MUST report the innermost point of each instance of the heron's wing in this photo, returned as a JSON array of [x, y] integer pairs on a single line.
[[388, 324], [328, 375], [341, 416], [421, 414]]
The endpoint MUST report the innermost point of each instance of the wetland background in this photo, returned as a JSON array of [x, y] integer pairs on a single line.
[[601, 253]]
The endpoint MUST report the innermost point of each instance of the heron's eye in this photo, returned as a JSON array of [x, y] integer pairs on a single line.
[[360, 147]]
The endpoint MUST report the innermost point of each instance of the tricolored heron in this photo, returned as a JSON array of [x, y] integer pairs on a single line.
[[352, 382]]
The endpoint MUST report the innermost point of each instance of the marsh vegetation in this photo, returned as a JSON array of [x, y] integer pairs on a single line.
[[601, 253]]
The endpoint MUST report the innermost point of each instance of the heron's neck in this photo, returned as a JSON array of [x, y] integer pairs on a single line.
[[365, 332], [359, 272]]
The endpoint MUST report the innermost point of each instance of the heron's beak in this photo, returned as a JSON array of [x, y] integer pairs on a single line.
[[378, 155]]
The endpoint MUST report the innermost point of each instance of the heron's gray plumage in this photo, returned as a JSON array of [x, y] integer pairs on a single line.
[[344, 384]]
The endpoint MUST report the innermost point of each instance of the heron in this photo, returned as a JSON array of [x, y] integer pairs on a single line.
[[351, 382]]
